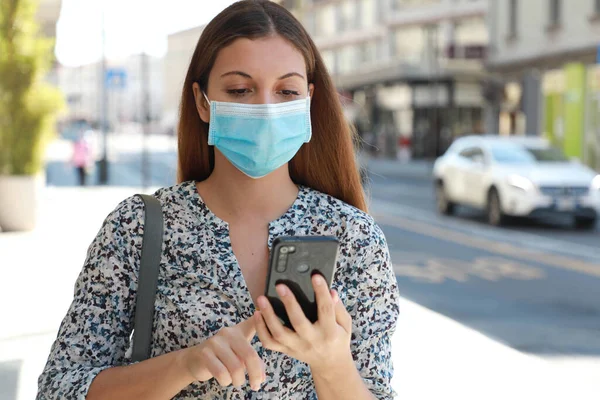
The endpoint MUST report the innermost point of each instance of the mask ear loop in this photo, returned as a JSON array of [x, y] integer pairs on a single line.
[[206, 97]]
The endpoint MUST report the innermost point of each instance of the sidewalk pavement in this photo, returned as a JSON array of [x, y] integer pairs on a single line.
[[434, 357]]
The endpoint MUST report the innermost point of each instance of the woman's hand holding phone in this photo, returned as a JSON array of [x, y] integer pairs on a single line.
[[324, 345], [227, 356]]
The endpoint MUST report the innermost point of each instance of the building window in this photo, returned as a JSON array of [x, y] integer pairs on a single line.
[[346, 15], [555, 13], [325, 24], [367, 52], [410, 44], [398, 5], [367, 16], [329, 60], [513, 21], [346, 59]]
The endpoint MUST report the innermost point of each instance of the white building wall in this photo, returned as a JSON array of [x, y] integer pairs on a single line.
[[180, 48], [47, 14], [356, 36], [579, 30]]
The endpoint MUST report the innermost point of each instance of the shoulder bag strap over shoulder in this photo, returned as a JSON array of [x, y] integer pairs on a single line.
[[147, 278]]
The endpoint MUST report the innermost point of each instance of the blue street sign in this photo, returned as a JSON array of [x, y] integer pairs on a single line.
[[116, 78]]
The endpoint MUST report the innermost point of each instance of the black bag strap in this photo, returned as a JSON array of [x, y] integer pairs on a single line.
[[147, 278]]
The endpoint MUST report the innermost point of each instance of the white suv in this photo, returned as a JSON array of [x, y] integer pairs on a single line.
[[517, 176]]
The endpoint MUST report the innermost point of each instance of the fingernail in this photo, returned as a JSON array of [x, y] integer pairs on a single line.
[[319, 280], [281, 290], [262, 303]]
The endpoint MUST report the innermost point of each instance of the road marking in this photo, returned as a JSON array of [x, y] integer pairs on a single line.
[[421, 267], [489, 245], [531, 240]]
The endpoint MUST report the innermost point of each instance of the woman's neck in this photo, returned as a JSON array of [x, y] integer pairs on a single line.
[[233, 196]]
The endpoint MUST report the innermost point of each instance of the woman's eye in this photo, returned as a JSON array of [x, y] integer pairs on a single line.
[[288, 93], [238, 92]]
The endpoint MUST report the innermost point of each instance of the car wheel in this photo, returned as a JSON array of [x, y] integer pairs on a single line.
[[495, 215], [584, 223], [444, 205]]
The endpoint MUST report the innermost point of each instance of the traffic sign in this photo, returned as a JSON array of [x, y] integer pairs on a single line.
[[116, 78]]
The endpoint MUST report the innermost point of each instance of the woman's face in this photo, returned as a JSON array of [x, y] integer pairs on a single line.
[[262, 71]]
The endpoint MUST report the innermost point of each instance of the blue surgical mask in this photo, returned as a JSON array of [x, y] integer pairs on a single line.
[[259, 138]]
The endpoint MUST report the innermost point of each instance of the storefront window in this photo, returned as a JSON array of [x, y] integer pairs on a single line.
[[592, 128]]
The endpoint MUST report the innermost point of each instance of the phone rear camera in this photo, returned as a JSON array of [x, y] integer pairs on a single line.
[[283, 250]]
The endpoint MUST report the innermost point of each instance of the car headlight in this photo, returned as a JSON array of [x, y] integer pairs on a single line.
[[596, 183], [520, 182]]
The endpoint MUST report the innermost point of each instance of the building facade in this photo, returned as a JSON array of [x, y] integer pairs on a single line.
[[546, 52], [47, 15], [410, 68], [81, 87], [180, 48]]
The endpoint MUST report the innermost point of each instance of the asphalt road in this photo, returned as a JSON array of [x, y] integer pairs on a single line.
[[533, 285]]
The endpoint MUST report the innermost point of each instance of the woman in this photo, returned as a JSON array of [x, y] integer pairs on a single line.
[[252, 167]]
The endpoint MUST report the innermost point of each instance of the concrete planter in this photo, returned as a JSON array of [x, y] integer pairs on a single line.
[[19, 202]]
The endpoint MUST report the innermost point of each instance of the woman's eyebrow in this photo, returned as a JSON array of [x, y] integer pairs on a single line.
[[248, 76], [240, 73], [289, 75]]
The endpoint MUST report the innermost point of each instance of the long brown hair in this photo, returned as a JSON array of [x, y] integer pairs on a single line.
[[327, 163]]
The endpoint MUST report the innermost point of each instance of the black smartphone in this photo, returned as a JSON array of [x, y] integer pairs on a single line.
[[293, 262]]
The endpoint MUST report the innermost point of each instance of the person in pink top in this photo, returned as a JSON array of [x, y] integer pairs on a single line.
[[82, 158]]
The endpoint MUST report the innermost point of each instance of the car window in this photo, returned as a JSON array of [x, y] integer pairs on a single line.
[[547, 154], [511, 154], [471, 153]]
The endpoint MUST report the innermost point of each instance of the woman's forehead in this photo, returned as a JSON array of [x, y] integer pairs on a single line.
[[268, 56]]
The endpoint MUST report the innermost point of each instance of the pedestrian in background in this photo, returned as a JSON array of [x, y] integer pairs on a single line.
[[264, 151], [82, 159]]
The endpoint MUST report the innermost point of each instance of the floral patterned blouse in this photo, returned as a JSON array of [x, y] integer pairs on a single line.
[[201, 290]]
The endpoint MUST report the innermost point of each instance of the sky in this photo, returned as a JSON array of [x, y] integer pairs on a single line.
[[131, 26]]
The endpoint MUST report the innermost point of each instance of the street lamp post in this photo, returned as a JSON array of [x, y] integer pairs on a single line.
[[146, 116], [103, 167]]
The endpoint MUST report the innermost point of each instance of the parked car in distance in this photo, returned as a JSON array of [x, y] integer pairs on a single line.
[[515, 177]]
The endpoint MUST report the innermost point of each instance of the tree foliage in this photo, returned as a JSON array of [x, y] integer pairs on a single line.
[[28, 104]]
